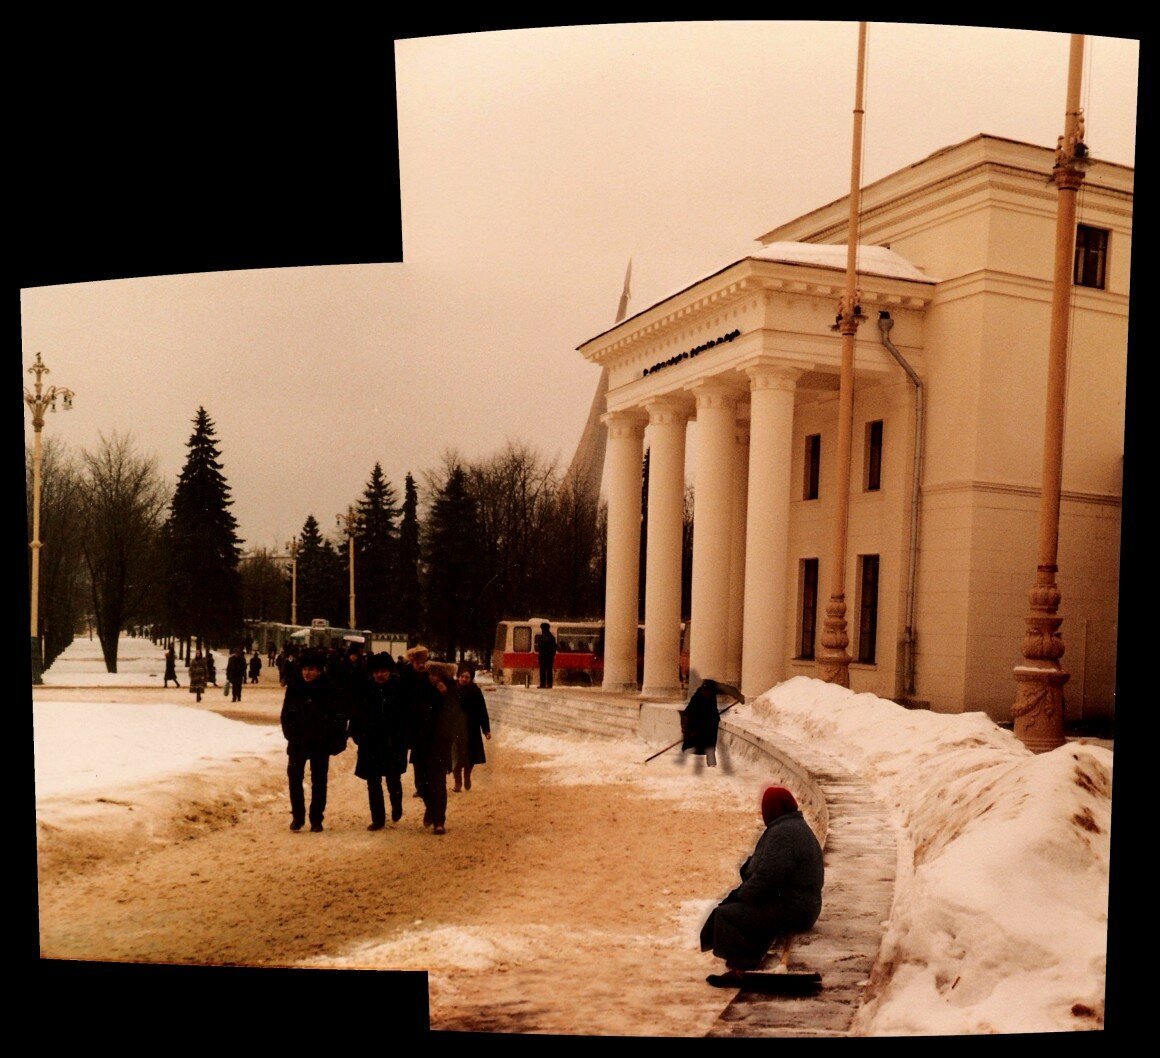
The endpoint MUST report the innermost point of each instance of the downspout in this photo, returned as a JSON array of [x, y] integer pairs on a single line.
[[884, 325]]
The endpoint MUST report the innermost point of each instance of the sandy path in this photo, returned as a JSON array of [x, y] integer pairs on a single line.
[[602, 885]]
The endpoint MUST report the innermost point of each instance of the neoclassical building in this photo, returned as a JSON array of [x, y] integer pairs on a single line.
[[955, 267]]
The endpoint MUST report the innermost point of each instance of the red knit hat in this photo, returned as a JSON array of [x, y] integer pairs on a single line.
[[776, 801]]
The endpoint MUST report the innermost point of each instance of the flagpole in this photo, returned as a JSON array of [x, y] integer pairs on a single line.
[[833, 662]]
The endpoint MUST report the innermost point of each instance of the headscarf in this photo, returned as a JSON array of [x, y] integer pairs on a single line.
[[777, 801]]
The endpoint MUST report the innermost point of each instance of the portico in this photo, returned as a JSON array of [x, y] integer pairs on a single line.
[[732, 354]]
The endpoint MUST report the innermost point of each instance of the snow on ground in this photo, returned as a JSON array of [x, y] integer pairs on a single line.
[[140, 663], [1000, 915]]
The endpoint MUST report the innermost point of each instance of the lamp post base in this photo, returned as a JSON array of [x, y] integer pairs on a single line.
[[1038, 708], [37, 667]]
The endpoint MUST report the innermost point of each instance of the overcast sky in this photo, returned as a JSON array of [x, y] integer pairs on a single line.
[[533, 165]]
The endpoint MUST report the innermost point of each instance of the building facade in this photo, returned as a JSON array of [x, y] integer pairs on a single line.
[[955, 271]]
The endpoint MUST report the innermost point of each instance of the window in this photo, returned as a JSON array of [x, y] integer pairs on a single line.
[[867, 608], [812, 466], [872, 476], [522, 639], [1091, 256], [808, 607]]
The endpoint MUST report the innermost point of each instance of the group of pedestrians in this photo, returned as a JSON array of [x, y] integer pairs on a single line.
[[431, 715], [203, 671]]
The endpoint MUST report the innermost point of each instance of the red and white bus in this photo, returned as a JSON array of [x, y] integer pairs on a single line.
[[579, 652]]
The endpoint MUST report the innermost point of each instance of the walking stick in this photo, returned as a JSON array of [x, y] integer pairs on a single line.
[[673, 745]]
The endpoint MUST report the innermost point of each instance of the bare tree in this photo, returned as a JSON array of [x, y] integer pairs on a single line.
[[125, 500]]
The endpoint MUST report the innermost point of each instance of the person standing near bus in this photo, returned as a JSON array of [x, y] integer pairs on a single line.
[[546, 648]]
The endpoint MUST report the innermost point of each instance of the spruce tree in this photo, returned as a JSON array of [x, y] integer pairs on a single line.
[[452, 550], [321, 578], [374, 552], [206, 549], [407, 608]]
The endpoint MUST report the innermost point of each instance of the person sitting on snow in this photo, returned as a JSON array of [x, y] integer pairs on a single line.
[[780, 890]]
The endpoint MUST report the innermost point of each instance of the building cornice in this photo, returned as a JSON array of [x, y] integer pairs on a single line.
[[1100, 499]]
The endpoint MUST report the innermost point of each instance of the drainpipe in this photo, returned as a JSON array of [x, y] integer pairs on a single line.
[[884, 325]]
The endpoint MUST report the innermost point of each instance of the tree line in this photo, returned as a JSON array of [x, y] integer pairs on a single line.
[[477, 541]]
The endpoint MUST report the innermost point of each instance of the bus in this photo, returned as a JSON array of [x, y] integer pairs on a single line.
[[579, 652], [319, 633]]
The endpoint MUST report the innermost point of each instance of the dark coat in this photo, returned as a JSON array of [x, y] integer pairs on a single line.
[[255, 665], [780, 892], [378, 725], [473, 703], [236, 669], [311, 721], [431, 729], [197, 676], [700, 719], [210, 668], [170, 666], [546, 647]]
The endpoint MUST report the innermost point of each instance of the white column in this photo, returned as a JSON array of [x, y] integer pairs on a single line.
[[712, 518], [622, 464], [767, 581], [662, 588], [737, 554]]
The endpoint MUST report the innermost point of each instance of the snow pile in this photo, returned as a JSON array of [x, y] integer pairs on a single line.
[[1000, 915]]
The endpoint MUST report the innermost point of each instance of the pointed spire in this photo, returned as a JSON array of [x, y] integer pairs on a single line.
[[622, 311]]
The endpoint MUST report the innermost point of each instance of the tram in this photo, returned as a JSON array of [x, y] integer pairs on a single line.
[[579, 652]]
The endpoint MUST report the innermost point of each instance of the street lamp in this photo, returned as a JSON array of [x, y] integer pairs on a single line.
[[38, 401], [292, 548], [1038, 707], [351, 523]]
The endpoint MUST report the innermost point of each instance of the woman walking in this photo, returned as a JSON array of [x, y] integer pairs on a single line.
[[474, 707], [197, 675], [171, 668]]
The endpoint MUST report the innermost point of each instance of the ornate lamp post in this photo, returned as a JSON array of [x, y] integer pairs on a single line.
[[38, 401], [833, 662], [1038, 708], [351, 523], [292, 549]]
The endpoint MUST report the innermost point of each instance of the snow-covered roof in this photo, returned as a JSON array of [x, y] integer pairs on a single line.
[[872, 260]]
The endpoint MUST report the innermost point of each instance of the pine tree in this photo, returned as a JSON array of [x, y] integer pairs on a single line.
[[407, 609], [452, 550], [375, 551], [206, 549], [321, 578]]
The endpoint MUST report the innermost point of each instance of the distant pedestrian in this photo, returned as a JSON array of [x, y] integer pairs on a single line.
[[478, 727], [255, 666], [546, 648], [197, 674], [171, 668], [210, 668], [236, 672], [271, 654]]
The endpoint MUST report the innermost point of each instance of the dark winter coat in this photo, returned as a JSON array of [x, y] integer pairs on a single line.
[[780, 892], [236, 669], [430, 727], [378, 725], [210, 668], [255, 665], [197, 676], [478, 724], [546, 648], [311, 721], [700, 719], [170, 666]]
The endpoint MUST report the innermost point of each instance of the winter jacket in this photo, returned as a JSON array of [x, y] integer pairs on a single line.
[[478, 724], [197, 676], [236, 669], [255, 665], [378, 725], [311, 722], [780, 892]]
